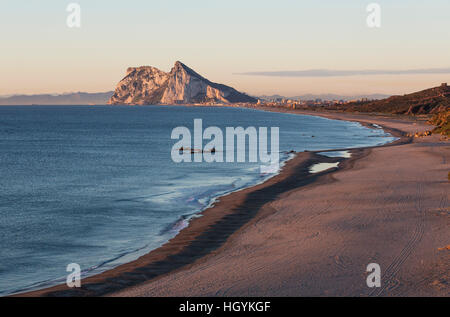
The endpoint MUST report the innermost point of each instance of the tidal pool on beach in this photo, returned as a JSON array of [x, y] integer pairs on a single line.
[[320, 167], [343, 154]]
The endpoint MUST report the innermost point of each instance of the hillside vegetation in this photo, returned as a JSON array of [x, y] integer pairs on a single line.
[[434, 102], [442, 123], [430, 101]]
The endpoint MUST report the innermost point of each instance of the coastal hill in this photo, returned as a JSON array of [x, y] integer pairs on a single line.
[[148, 85], [429, 101], [434, 101]]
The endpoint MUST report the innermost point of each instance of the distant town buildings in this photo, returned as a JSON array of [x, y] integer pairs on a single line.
[[298, 103]]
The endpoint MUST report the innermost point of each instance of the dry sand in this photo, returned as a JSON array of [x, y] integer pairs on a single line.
[[389, 205]]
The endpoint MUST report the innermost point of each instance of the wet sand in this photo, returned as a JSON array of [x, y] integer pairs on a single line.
[[302, 234]]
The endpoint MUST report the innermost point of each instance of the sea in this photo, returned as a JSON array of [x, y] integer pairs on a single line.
[[97, 185]]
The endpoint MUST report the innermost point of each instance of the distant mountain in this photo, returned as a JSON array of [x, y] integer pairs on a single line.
[[429, 101], [77, 98], [272, 97], [148, 85], [327, 97]]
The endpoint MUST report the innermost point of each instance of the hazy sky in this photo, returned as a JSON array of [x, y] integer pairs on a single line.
[[220, 40]]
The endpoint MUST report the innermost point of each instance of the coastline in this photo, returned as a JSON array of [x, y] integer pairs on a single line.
[[203, 234], [207, 235]]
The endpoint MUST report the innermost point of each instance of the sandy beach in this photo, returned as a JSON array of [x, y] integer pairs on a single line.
[[388, 206], [302, 234]]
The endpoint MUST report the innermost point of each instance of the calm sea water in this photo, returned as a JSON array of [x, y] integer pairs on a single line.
[[96, 185]]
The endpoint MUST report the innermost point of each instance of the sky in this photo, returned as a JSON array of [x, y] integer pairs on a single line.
[[256, 46]]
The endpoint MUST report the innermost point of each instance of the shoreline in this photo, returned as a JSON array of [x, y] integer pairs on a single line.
[[208, 233], [202, 236], [387, 204]]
